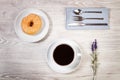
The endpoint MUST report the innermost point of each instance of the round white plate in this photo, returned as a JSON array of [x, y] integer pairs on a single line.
[[31, 38], [67, 68]]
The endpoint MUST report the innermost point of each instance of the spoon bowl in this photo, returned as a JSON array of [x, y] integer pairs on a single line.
[[77, 11]]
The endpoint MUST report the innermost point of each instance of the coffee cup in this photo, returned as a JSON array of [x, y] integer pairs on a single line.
[[64, 55]]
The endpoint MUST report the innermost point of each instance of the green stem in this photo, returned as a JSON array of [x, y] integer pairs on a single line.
[[94, 77], [94, 63]]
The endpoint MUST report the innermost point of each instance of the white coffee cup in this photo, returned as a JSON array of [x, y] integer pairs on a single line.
[[68, 67]]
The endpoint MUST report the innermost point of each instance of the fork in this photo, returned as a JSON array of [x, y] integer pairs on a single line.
[[80, 18]]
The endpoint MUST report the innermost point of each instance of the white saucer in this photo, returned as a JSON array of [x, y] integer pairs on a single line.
[[31, 38], [67, 68]]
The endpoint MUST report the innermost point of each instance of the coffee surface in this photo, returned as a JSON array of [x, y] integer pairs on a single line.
[[63, 54]]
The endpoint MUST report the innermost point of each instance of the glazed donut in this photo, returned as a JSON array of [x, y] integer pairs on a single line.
[[31, 24]]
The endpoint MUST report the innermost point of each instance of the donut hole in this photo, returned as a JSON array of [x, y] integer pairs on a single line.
[[31, 23]]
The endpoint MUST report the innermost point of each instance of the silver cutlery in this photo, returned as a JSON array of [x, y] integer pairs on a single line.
[[80, 18], [79, 11], [87, 24]]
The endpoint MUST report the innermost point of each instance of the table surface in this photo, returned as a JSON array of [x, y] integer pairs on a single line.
[[21, 60]]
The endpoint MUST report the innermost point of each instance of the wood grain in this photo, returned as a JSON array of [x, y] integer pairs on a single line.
[[27, 61]]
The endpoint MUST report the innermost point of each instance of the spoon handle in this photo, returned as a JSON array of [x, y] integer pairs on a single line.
[[92, 11]]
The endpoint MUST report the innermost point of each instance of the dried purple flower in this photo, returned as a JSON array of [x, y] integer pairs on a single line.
[[92, 47], [94, 58], [95, 45]]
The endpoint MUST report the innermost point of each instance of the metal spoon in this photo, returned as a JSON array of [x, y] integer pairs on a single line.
[[79, 11], [80, 18]]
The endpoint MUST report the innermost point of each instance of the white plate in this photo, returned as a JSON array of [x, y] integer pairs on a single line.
[[36, 37], [67, 68]]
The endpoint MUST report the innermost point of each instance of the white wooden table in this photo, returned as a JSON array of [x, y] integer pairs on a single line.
[[27, 61]]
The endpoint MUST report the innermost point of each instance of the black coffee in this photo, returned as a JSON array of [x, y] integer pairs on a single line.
[[63, 54]]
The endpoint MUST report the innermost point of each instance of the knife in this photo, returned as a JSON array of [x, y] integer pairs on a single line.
[[87, 24]]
